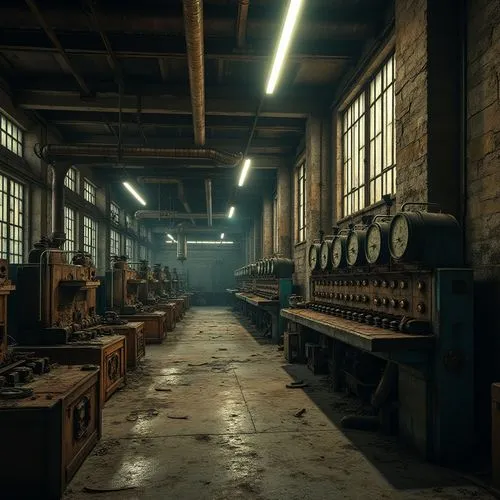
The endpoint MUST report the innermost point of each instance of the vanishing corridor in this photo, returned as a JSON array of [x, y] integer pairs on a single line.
[[208, 416]]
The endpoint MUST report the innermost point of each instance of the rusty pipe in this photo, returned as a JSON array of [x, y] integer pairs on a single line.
[[193, 26], [51, 152], [208, 195], [59, 172], [172, 214]]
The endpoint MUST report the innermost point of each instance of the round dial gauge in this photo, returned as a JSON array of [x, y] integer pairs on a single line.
[[338, 253], [324, 253], [352, 248], [313, 256], [373, 243], [399, 236]]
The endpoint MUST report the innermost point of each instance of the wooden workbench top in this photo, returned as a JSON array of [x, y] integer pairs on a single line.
[[255, 300], [366, 337]]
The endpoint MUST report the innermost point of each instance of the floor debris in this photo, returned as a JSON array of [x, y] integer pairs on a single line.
[[300, 413]]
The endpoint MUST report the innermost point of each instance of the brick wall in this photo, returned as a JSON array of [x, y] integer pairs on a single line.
[[483, 189], [411, 100]]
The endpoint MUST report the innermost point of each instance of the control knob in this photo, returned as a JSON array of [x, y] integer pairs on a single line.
[[403, 303]]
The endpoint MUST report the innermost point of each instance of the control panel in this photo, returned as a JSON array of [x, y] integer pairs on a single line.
[[263, 277]]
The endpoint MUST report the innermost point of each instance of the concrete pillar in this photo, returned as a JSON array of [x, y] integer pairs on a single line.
[[267, 225], [257, 237], [285, 211], [428, 102]]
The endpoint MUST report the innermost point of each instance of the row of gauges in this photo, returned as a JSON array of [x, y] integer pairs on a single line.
[[429, 239]]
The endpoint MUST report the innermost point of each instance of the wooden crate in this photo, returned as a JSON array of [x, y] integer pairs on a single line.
[[136, 342], [169, 309], [48, 436], [155, 328], [179, 308], [109, 353]]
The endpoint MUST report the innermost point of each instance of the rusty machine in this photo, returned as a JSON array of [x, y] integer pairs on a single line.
[[51, 416], [396, 288], [55, 309], [263, 288], [123, 293]]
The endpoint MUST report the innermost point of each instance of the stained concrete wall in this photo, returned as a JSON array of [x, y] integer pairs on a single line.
[[210, 270]]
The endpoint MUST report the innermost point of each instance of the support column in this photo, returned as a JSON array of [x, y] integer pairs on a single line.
[[284, 211], [59, 173], [257, 237], [267, 226]]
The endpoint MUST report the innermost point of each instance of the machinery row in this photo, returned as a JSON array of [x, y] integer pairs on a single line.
[[387, 313], [72, 337]]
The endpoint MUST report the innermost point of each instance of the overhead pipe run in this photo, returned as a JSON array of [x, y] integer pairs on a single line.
[[166, 180], [208, 194], [193, 26], [171, 214], [241, 23], [52, 152]]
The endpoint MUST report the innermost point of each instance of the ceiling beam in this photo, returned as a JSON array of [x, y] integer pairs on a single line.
[[325, 23], [262, 146], [284, 106], [63, 58], [241, 23], [173, 47], [277, 128]]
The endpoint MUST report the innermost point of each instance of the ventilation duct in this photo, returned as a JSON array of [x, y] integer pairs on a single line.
[[170, 214], [52, 152], [193, 27]]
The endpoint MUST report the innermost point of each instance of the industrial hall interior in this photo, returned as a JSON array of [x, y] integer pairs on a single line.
[[249, 249]]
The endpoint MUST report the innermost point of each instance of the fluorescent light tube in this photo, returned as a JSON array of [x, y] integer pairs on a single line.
[[171, 237], [222, 236], [231, 212], [283, 45], [244, 172], [134, 193]]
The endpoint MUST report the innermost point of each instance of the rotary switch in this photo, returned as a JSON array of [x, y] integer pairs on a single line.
[[421, 308], [376, 301], [403, 303], [385, 301], [421, 285], [393, 284], [403, 284], [394, 303]]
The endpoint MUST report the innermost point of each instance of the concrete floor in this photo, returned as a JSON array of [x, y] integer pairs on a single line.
[[239, 437]]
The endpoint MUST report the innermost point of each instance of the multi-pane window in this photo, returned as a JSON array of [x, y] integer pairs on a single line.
[[369, 154], [71, 179], [129, 248], [11, 220], [143, 253], [382, 143], [143, 232], [128, 221], [90, 238], [11, 136], [89, 192], [70, 230], [301, 202], [114, 213], [114, 243]]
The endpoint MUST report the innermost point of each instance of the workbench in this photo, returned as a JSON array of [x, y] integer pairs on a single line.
[[256, 305]]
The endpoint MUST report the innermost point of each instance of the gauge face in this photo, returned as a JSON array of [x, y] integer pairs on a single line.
[[324, 253], [313, 256], [352, 249], [399, 236], [373, 244], [337, 252]]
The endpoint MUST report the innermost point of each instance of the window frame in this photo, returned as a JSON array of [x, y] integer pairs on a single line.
[[11, 135], [71, 179], [12, 223], [301, 211], [89, 195], [71, 234], [116, 240], [130, 253], [360, 187], [90, 231], [114, 213]]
